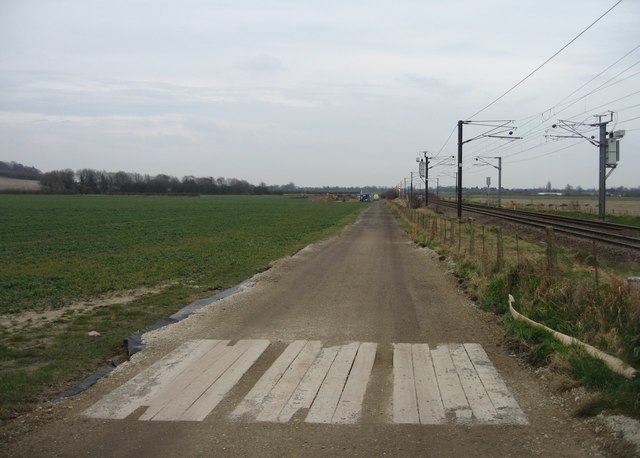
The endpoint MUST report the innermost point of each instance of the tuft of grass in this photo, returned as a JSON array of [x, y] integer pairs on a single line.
[[537, 345], [495, 295]]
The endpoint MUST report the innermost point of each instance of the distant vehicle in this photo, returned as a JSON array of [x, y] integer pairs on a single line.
[[376, 197], [365, 198]]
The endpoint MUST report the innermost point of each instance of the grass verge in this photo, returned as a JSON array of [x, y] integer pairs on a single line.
[[574, 294]]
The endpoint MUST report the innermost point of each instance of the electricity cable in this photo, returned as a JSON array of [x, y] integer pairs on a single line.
[[546, 61]]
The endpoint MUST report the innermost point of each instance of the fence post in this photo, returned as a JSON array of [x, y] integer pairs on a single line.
[[453, 232], [472, 240], [595, 266], [500, 246], [634, 289], [444, 225], [552, 252]]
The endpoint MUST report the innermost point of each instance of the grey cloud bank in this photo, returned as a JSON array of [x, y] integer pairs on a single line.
[[331, 93]]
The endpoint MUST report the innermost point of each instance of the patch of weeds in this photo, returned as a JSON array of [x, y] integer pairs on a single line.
[[496, 295], [612, 390], [573, 367], [593, 405], [536, 345], [593, 373]]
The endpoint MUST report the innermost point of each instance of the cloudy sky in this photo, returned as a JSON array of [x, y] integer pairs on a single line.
[[316, 92]]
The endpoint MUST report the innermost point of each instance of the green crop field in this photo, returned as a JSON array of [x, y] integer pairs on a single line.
[[58, 250]]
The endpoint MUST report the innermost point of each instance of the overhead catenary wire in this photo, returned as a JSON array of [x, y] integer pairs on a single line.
[[537, 126], [574, 101], [597, 76], [535, 130], [545, 62]]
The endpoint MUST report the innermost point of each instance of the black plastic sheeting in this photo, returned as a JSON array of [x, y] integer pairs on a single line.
[[135, 344], [84, 385]]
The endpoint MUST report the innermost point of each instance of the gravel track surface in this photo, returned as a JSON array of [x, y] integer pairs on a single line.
[[367, 284]]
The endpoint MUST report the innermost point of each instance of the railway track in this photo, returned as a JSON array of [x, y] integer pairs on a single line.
[[614, 234]]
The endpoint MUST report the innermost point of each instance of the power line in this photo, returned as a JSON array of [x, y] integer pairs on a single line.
[[446, 141], [547, 114], [595, 77], [546, 61], [627, 120], [536, 129], [545, 154]]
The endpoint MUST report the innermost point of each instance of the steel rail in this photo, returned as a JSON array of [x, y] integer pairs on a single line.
[[540, 221], [566, 219]]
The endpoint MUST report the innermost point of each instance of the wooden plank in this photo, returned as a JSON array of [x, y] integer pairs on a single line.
[[284, 389], [253, 400], [138, 391], [199, 410], [179, 383], [430, 408], [176, 406], [451, 392], [481, 405], [508, 410], [306, 392], [350, 404], [405, 405], [328, 396]]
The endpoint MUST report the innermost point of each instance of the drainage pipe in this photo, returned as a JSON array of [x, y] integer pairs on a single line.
[[616, 365]]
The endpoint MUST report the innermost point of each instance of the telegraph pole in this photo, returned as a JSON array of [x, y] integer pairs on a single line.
[[459, 173], [423, 171], [602, 181], [426, 180], [411, 191], [497, 128], [499, 181], [608, 152]]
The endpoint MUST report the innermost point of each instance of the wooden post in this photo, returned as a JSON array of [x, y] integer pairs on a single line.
[[453, 232], [472, 240], [634, 289], [500, 247], [444, 225], [552, 252], [595, 266]]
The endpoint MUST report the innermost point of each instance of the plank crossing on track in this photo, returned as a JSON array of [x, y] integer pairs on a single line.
[[431, 386], [330, 382], [454, 381], [187, 384]]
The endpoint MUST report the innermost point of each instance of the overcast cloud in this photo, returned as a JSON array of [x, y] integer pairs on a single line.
[[318, 93]]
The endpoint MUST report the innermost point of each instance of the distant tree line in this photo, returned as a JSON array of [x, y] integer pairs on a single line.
[[343, 189], [568, 190], [89, 181], [19, 171]]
